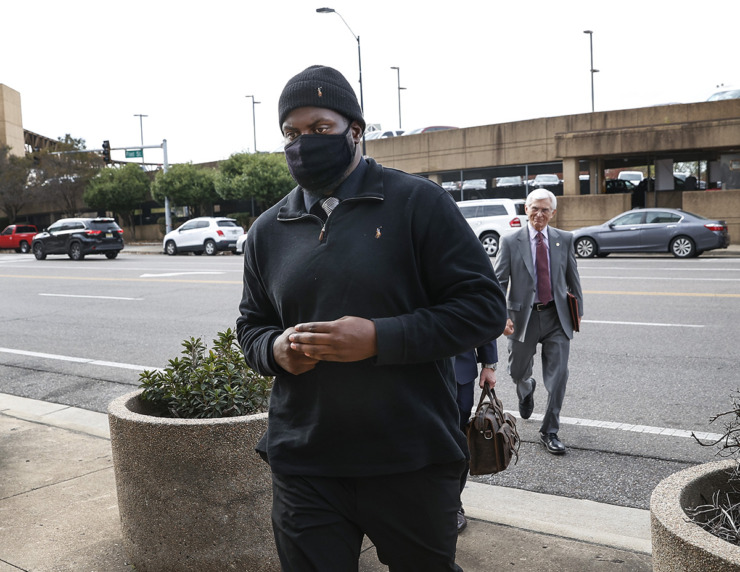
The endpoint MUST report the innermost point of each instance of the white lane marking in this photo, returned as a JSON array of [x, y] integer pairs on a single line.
[[535, 416], [20, 258], [663, 268], [167, 274], [77, 359], [97, 297], [642, 324], [662, 278], [704, 436]]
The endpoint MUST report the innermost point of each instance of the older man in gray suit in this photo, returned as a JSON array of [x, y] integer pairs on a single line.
[[537, 265]]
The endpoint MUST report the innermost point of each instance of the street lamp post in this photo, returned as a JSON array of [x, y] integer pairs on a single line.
[[593, 71], [141, 128], [359, 59], [398, 75], [254, 123]]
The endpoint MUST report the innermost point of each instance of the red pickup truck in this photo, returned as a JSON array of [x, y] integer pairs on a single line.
[[18, 237]]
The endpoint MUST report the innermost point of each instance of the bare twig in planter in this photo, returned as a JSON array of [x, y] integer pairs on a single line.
[[722, 516]]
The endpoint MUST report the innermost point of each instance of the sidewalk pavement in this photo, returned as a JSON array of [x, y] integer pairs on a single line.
[[59, 512]]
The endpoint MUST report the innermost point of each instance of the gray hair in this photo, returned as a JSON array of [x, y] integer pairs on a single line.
[[541, 193]]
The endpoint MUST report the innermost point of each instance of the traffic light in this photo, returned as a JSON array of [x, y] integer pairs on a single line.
[[106, 151]]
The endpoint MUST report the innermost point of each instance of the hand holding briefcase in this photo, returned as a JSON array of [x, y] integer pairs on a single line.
[[492, 436]]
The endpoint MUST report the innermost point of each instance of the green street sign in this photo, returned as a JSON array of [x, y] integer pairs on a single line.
[[132, 153]]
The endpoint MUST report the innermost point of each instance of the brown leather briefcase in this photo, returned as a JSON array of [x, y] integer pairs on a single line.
[[492, 436]]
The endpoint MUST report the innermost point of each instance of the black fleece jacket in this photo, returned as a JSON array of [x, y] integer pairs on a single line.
[[399, 253]]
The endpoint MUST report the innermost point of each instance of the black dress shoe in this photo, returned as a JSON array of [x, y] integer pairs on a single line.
[[526, 405], [552, 443], [462, 522]]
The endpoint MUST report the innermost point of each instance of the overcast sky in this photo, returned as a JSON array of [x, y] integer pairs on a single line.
[[87, 67]]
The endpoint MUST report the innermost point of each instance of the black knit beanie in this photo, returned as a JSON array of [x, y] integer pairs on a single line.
[[320, 86]]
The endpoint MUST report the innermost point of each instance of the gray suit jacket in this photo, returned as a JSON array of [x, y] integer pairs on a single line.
[[515, 271]]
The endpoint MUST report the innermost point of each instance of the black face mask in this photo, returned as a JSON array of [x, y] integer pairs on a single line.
[[319, 161]]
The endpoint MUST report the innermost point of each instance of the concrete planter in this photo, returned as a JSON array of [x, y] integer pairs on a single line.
[[192, 493], [678, 544]]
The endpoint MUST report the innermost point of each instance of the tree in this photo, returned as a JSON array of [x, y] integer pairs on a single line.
[[188, 186], [15, 192], [262, 176], [119, 190], [62, 178]]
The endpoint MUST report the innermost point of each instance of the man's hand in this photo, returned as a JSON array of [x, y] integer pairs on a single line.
[[347, 339], [290, 360], [509, 329], [487, 376]]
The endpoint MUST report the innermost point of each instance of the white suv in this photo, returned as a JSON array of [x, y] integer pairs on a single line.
[[203, 234], [491, 219]]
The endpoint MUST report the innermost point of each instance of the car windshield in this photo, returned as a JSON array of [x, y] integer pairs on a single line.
[[226, 223], [695, 215]]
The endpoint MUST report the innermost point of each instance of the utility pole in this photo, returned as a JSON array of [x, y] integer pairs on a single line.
[[141, 128], [398, 75], [254, 123], [593, 71]]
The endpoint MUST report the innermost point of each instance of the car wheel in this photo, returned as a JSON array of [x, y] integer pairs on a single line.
[[25, 248], [111, 255], [38, 251], [170, 248], [683, 247], [490, 243], [75, 251], [210, 247], [585, 248]]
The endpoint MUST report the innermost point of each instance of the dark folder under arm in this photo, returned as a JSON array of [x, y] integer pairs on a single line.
[[574, 314]]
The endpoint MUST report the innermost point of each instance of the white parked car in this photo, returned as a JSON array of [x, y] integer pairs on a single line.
[[509, 181], [491, 219], [240, 243], [203, 234], [546, 180], [633, 177]]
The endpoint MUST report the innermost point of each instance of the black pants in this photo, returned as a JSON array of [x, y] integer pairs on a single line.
[[319, 522]]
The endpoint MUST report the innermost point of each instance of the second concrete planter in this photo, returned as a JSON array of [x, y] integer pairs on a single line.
[[679, 545]]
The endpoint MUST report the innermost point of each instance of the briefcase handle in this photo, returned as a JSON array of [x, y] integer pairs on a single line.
[[487, 392]]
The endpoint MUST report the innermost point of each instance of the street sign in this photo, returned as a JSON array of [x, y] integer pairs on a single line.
[[132, 153]]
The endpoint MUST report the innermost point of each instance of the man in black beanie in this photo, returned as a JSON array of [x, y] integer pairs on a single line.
[[359, 287]]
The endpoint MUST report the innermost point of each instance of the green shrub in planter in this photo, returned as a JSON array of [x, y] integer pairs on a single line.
[[206, 383]]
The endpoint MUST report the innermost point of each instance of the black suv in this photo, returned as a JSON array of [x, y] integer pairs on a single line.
[[77, 237]]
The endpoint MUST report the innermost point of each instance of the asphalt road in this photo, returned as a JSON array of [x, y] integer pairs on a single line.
[[656, 357]]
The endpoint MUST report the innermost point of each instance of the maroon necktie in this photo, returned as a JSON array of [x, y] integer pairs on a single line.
[[544, 291]]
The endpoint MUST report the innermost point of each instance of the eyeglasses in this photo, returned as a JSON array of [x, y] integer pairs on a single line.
[[535, 210]]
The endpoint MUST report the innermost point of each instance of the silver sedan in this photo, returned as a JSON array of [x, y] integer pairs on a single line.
[[679, 232]]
